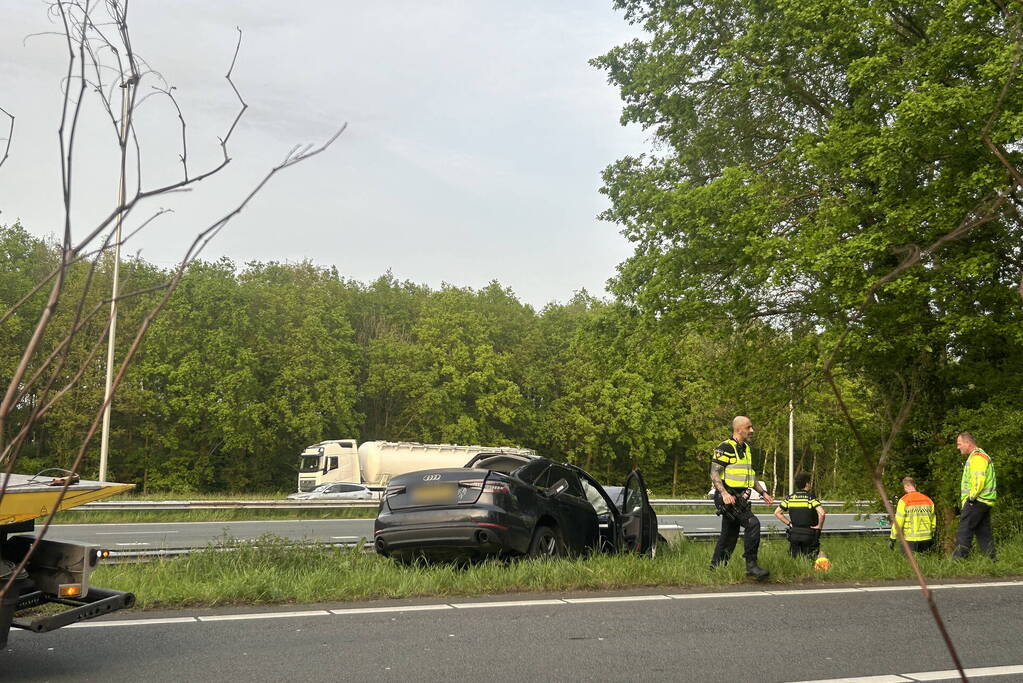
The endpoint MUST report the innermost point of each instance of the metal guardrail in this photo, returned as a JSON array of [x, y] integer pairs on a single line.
[[138, 505]]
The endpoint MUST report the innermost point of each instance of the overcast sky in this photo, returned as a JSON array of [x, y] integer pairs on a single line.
[[476, 136]]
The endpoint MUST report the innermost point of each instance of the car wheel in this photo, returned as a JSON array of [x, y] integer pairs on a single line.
[[546, 542]]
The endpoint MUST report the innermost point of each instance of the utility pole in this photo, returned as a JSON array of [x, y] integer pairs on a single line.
[[104, 446], [792, 449]]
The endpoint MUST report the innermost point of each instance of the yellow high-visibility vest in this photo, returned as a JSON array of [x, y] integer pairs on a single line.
[[739, 472], [978, 480]]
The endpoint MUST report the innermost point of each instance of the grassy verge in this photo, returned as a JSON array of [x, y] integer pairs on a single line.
[[137, 516], [275, 573]]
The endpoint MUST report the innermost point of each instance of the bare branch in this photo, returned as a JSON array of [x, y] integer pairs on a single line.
[[184, 137], [10, 136], [42, 383], [983, 213]]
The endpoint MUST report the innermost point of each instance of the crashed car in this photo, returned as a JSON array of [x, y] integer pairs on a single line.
[[335, 491], [507, 505]]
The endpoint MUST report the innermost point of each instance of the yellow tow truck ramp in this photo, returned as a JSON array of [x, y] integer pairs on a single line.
[[55, 572], [29, 497]]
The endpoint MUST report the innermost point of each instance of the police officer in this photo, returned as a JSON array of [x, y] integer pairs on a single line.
[[915, 516], [976, 498], [806, 518], [731, 473]]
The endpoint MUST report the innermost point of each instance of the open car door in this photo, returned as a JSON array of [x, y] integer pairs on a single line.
[[639, 522]]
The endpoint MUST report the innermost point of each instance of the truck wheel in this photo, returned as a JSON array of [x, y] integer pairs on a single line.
[[547, 542]]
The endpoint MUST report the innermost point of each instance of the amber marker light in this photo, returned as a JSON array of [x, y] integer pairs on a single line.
[[70, 590]]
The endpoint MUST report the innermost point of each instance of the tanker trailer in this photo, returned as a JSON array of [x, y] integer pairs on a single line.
[[381, 460]]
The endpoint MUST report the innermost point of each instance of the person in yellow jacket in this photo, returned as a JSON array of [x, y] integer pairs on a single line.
[[977, 496], [732, 475], [915, 516]]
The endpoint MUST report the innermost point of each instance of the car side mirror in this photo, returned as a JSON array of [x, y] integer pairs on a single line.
[[559, 487]]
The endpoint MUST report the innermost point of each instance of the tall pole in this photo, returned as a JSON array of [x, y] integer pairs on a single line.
[[792, 449], [104, 445]]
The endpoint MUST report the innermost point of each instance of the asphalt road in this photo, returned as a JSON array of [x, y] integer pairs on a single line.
[[671, 634], [157, 535]]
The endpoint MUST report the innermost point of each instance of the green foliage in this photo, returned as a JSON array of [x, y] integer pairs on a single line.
[[803, 150], [246, 366]]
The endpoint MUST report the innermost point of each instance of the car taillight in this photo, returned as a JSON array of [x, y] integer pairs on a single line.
[[393, 491], [487, 486]]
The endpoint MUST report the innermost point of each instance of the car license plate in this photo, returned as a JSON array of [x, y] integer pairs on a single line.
[[434, 493]]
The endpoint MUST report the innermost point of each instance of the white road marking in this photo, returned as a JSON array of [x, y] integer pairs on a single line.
[[383, 610], [136, 543], [887, 678], [621, 598], [506, 603], [979, 672], [973, 585], [133, 622], [820, 591], [265, 615], [346, 538], [133, 533], [998, 671], [737, 594], [950, 674]]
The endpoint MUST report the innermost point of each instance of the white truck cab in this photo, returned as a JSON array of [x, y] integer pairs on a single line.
[[328, 462]]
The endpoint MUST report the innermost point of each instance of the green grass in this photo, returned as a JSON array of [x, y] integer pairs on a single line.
[[279, 573], [80, 516]]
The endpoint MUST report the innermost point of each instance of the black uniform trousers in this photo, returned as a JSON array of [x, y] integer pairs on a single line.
[[734, 517], [804, 541], [974, 520]]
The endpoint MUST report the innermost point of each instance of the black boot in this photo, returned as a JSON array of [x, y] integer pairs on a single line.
[[718, 559], [755, 571]]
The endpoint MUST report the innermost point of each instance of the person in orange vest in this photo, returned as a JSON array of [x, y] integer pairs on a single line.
[[977, 496], [915, 516]]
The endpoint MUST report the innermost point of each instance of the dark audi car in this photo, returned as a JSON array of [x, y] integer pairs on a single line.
[[508, 505]]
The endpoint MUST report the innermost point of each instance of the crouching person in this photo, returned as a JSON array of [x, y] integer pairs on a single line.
[[915, 516], [805, 518]]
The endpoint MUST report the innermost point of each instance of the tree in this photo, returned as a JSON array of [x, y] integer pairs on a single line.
[[804, 152], [845, 170], [52, 362]]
